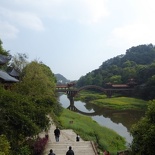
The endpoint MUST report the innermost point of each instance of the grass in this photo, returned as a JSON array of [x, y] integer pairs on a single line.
[[123, 103], [90, 130]]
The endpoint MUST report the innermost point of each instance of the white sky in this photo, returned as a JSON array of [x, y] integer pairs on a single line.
[[74, 37]]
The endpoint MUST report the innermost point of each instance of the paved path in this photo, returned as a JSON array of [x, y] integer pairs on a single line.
[[67, 138]]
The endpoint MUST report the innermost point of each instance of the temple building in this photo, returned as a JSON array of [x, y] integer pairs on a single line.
[[5, 78]]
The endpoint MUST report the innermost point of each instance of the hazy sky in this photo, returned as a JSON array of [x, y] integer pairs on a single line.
[[74, 37]]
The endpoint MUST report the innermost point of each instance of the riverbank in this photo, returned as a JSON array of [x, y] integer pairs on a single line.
[[67, 138], [90, 130], [121, 103]]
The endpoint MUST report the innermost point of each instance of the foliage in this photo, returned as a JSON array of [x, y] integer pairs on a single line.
[[90, 130], [144, 133], [4, 145], [18, 62], [138, 63], [20, 117], [37, 80], [5, 53], [25, 107], [24, 150], [39, 145], [114, 102], [2, 50]]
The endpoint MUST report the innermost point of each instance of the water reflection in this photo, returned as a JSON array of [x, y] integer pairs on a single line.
[[117, 120]]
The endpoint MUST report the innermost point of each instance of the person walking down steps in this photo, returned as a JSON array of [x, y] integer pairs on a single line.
[[77, 138], [57, 134], [70, 151], [51, 152]]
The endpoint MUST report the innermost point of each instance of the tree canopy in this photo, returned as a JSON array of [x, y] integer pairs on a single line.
[[24, 108], [138, 63], [144, 133]]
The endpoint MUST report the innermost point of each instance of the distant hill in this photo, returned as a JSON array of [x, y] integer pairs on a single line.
[[61, 79], [137, 65]]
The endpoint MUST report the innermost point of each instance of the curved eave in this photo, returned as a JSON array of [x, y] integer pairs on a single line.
[[6, 77], [4, 59]]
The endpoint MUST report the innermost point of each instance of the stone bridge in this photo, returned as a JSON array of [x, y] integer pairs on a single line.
[[72, 91]]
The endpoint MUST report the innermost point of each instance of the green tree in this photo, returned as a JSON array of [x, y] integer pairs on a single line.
[[144, 133], [19, 117], [5, 53], [116, 79], [128, 73], [98, 80], [18, 62], [36, 81], [89, 79], [2, 50], [24, 108], [4, 145]]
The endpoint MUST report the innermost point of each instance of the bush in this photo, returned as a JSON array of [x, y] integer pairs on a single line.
[[39, 145], [4, 145]]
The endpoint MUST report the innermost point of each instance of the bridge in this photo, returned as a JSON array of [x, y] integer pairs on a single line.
[[72, 91]]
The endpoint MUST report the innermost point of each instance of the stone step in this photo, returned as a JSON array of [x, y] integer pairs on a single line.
[[67, 138], [84, 147], [67, 144]]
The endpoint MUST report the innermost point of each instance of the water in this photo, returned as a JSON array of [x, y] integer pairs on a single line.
[[119, 121]]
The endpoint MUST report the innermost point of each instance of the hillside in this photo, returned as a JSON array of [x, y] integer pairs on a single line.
[[61, 79], [137, 64]]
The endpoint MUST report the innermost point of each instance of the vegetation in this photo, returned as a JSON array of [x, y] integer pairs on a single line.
[[144, 133], [24, 108], [112, 103], [90, 130], [138, 63]]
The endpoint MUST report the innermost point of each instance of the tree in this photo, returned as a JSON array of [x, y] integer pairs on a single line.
[[19, 117], [2, 51], [19, 61], [144, 133], [116, 79], [24, 108], [36, 81], [4, 145]]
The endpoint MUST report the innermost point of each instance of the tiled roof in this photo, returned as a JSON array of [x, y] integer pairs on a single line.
[[14, 73], [6, 77], [4, 59], [120, 85]]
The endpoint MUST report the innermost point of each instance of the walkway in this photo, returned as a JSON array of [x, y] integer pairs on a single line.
[[67, 138]]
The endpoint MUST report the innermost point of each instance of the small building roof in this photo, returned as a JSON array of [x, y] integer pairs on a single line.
[[14, 73], [4, 59], [120, 85], [6, 77]]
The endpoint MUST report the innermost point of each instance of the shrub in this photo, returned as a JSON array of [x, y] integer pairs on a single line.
[[4, 145], [39, 145]]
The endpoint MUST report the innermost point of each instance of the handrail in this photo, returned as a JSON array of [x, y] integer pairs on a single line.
[[94, 147]]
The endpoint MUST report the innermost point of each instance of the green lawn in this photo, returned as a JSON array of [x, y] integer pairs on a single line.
[[114, 102], [121, 103], [90, 130]]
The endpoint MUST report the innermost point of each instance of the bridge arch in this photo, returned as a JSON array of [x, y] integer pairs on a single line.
[[75, 109]]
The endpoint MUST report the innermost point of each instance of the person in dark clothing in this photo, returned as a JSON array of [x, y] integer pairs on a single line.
[[70, 151], [57, 134], [77, 138], [51, 152]]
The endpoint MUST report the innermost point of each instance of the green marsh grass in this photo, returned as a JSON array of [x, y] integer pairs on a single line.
[[121, 103], [101, 100], [90, 130]]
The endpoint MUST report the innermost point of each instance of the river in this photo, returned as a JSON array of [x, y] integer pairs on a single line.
[[119, 121]]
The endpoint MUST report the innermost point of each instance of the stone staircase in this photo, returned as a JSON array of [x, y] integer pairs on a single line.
[[67, 138], [60, 148]]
